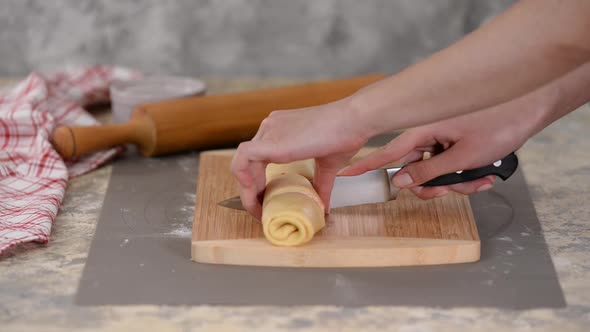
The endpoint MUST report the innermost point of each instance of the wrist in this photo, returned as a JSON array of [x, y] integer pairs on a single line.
[[363, 115], [544, 102]]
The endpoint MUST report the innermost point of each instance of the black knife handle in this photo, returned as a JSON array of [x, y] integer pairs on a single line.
[[502, 168]]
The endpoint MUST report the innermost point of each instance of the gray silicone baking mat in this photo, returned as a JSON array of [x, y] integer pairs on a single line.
[[140, 254]]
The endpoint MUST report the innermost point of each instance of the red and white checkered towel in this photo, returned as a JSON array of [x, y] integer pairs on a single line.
[[33, 176]]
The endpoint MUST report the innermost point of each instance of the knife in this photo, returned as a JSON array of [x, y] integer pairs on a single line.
[[376, 186]]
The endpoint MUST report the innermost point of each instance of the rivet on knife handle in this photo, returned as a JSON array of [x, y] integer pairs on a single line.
[[503, 169]]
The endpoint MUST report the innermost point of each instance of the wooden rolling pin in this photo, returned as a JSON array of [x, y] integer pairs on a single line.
[[201, 122]]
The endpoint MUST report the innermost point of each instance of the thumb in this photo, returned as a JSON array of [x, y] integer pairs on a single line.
[[323, 180], [417, 173]]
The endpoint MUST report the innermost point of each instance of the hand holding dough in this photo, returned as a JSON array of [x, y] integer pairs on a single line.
[[292, 211]]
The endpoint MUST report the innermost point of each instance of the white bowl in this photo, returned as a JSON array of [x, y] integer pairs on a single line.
[[125, 95]]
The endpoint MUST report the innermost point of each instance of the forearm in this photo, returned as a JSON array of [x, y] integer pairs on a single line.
[[531, 44], [560, 97], [534, 111]]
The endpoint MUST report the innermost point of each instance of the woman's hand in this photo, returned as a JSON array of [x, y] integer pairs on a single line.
[[469, 141], [477, 139], [329, 133]]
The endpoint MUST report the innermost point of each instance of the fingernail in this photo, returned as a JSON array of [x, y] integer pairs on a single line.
[[442, 193], [403, 180], [340, 172], [485, 187], [326, 208]]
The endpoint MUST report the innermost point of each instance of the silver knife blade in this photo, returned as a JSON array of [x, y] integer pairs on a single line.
[[371, 187], [232, 203]]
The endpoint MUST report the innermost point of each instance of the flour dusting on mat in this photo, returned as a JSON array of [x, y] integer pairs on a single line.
[[182, 231], [182, 227]]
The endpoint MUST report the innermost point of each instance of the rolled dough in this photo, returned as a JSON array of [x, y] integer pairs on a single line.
[[292, 211]]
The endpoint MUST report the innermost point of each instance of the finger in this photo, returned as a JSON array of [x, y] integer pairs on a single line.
[[250, 202], [250, 152], [258, 171], [263, 150], [239, 167], [419, 172], [430, 192], [323, 182], [261, 129], [250, 175], [394, 150], [471, 187], [411, 157]]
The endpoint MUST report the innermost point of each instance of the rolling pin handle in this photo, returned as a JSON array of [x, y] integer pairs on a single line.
[[73, 142], [64, 142]]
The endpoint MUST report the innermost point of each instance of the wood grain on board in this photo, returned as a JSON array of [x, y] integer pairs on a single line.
[[407, 231]]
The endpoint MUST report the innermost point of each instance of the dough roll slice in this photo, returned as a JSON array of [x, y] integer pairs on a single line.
[[292, 211]]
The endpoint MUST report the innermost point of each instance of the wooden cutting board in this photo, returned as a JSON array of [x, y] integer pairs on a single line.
[[407, 231]]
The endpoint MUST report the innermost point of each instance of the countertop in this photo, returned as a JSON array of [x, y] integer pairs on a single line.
[[38, 282]]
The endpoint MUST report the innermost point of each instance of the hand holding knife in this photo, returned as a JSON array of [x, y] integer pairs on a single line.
[[376, 186]]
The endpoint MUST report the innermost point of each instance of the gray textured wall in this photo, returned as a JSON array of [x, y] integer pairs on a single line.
[[296, 38]]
